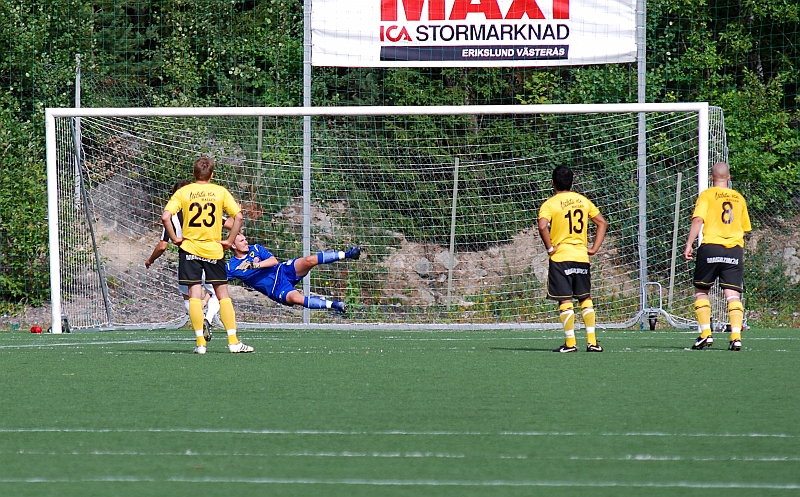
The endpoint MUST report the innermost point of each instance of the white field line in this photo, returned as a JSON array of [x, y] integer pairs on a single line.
[[407, 455], [392, 433], [378, 343], [409, 483]]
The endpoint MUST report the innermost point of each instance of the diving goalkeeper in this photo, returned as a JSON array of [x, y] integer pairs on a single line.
[[259, 268]]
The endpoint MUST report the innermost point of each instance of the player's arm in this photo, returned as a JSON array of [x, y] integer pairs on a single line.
[[228, 223], [544, 233], [694, 231], [161, 247], [600, 235], [166, 220], [237, 225], [266, 263]]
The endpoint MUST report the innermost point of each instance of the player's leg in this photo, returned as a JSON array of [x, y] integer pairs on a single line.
[[567, 316], [295, 297], [216, 276], [228, 317], [731, 281], [212, 309], [302, 265], [196, 316], [184, 289], [559, 288], [702, 310], [587, 311], [735, 317], [704, 275], [190, 273], [581, 278]]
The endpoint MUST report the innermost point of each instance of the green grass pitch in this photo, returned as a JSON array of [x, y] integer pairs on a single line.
[[364, 413]]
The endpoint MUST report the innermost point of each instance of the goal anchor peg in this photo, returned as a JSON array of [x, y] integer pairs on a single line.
[[652, 318], [65, 328]]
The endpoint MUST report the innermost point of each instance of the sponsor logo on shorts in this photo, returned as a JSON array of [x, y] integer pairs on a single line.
[[192, 257], [722, 260], [575, 270]]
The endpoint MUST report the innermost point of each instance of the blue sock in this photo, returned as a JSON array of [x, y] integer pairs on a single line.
[[329, 256], [316, 303]]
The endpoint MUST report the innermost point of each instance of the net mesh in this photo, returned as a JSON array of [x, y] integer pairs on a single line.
[[389, 184]]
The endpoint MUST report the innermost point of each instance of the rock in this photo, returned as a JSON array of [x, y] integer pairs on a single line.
[[444, 259], [426, 296], [423, 267]]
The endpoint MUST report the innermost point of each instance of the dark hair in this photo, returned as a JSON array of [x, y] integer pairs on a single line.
[[203, 169], [562, 178], [180, 184]]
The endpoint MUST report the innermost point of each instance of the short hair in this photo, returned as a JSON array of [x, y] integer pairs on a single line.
[[180, 184], [203, 168], [562, 178]]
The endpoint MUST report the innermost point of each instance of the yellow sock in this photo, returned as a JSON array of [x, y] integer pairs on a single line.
[[702, 308], [736, 317], [196, 317], [228, 317], [587, 311], [567, 317]]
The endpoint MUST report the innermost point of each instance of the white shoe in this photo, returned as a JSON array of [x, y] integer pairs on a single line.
[[200, 349], [238, 348]]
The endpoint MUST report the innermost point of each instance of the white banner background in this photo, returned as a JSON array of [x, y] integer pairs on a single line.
[[457, 33]]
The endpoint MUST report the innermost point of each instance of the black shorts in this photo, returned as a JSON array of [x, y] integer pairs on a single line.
[[716, 261], [192, 267], [569, 280]]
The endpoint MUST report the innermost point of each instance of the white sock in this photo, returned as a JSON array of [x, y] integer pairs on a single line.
[[212, 308]]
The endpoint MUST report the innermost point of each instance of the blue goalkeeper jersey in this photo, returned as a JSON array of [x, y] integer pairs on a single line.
[[261, 279]]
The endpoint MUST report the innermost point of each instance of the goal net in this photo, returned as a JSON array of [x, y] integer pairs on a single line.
[[443, 200]]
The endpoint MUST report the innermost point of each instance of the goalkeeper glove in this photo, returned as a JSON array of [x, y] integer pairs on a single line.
[[245, 265]]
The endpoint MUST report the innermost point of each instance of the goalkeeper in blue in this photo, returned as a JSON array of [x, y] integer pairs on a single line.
[[260, 269]]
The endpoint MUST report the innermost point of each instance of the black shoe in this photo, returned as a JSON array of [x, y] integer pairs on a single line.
[[702, 343], [206, 330], [564, 349], [340, 308], [735, 345], [593, 347], [354, 253]]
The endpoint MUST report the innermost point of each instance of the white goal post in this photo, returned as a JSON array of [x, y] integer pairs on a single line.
[[443, 199]]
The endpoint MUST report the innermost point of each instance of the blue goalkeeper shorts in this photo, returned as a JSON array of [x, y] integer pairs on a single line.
[[285, 281]]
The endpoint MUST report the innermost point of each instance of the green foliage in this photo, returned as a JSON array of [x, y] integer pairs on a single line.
[[763, 136], [205, 52], [23, 226]]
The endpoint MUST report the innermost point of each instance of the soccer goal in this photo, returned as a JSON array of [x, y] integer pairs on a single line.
[[443, 200]]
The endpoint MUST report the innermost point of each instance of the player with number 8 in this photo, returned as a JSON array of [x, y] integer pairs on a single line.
[[720, 213]]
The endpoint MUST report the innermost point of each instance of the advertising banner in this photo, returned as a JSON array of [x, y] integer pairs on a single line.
[[472, 33]]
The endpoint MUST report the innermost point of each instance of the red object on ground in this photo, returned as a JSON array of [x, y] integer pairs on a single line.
[[36, 329]]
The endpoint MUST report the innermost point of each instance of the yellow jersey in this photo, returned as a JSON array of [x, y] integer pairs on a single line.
[[725, 217], [202, 205], [569, 214]]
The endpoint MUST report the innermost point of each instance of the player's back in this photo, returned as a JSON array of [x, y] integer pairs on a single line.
[[203, 205], [569, 214], [725, 216]]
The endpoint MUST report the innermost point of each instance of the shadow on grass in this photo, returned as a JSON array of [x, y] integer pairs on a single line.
[[671, 347], [523, 349]]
